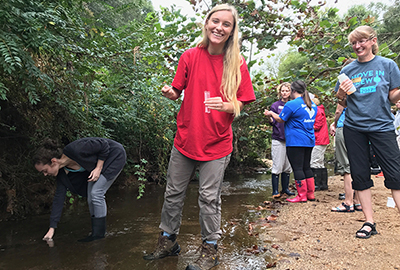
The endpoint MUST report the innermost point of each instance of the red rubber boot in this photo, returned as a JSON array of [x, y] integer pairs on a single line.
[[310, 189], [301, 186]]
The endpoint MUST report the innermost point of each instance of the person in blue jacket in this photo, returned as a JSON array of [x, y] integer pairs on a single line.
[[86, 167], [299, 117]]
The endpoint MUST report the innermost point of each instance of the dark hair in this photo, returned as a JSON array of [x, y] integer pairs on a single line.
[[48, 150], [301, 88]]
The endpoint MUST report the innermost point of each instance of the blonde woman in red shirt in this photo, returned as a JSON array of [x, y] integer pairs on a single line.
[[216, 85]]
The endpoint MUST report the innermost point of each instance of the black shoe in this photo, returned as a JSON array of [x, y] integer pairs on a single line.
[[98, 230], [367, 234], [285, 178], [275, 183], [166, 246], [288, 192], [324, 179], [208, 258]]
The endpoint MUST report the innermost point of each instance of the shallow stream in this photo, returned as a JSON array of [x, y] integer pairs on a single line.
[[133, 231]]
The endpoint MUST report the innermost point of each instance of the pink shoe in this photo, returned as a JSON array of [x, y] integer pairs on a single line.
[[301, 186], [310, 189]]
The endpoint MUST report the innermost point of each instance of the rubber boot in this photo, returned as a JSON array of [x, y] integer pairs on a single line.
[[285, 177], [317, 178], [310, 189], [301, 186], [275, 184], [324, 179], [98, 230]]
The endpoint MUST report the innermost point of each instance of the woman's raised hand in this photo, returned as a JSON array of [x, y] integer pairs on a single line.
[[215, 103], [169, 92], [345, 85], [267, 113]]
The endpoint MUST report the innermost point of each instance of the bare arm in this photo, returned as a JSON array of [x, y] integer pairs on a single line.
[[338, 113], [394, 95], [95, 174], [273, 115], [171, 92], [342, 92]]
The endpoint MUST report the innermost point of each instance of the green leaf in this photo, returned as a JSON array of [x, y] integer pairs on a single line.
[[353, 21], [325, 24]]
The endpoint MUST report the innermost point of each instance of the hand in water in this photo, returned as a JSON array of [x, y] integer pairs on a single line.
[[49, 237], [49, 242]]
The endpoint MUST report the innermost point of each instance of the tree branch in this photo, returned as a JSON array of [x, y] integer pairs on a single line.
[[322, 72]]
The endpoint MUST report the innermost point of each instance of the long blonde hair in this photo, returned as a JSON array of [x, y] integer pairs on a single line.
[[366, 32], [231, 76]]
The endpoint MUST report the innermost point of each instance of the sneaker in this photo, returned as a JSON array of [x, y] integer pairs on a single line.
[[207, 260], [166, 246]]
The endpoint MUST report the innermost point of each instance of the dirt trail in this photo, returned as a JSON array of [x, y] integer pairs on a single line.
[[310, 236]]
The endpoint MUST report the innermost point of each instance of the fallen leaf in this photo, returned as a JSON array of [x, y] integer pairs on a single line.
[[275, 246], [271, 218]]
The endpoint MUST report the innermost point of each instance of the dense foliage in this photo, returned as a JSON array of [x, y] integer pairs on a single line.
[[71, 69], [68, 71]]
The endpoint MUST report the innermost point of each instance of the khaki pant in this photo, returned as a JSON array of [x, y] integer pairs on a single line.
[[280, 161], [180, 171], [317, 156], [342, 161]]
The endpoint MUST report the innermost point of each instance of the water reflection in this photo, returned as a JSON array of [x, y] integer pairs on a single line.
[[133, 231], [49, 242]]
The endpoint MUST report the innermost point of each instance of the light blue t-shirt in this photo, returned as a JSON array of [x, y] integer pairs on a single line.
[[340, 121], [368, 109], [396, 123], [299, 123]]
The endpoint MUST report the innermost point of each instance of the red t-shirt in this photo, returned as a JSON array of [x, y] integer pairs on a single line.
[[321, 127], [205, 136]]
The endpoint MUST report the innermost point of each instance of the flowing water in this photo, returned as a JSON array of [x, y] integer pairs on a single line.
[[132, 227]]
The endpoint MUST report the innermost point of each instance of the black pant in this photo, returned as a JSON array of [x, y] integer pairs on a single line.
[[299, 158], [387, 153]]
